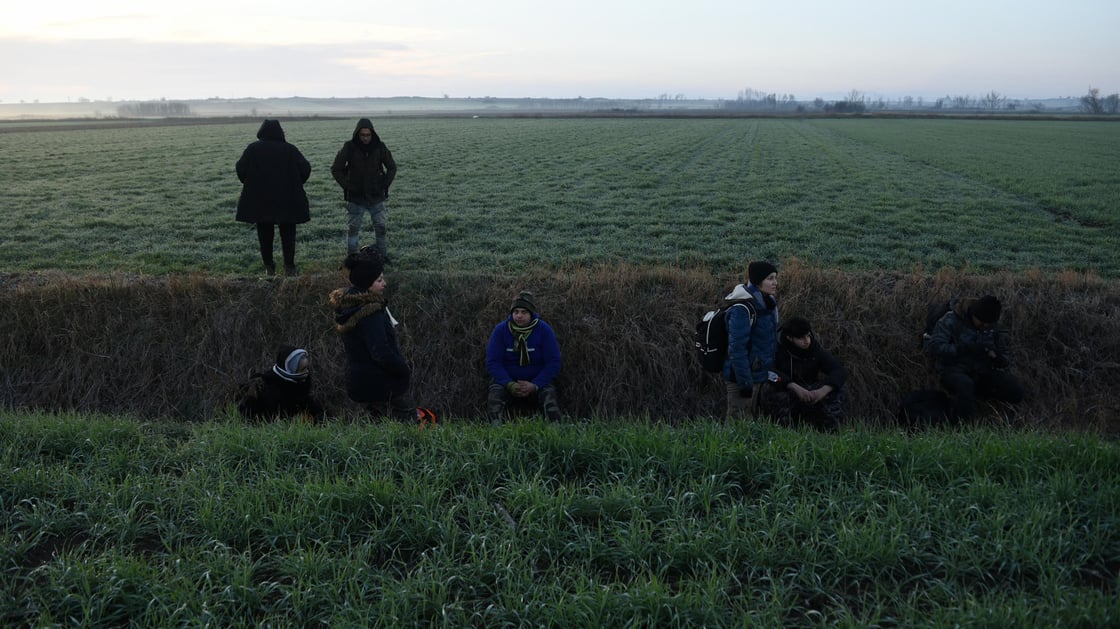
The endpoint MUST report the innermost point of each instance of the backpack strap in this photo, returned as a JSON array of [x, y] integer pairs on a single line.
[[753, 314], [749, 305]]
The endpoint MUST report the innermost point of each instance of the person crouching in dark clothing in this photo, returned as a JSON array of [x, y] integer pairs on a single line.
[[970, 355], [808, 381], [283, 391]]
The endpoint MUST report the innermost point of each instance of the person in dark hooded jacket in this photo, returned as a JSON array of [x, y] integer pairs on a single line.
[[808, 383], [273, 172], [376, 371], [971, 356], [365, 169], [283, 391]]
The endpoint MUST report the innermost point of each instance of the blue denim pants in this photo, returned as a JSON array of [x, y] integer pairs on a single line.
[[377, 215]]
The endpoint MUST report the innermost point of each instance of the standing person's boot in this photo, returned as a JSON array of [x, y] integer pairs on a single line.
[[289, 270], [270, 268]]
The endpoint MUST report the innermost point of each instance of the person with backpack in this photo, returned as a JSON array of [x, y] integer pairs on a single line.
[[272, 173], [282, 391], [752, 337], [809, 383], [970, 356], [523, 359], [364, 168], [376, 371]]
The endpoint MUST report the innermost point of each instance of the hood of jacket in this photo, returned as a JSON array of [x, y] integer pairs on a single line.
[[271, 131], [364, 123], [351, 305]]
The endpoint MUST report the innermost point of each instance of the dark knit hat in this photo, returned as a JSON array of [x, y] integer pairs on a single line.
[[524, 300], [364, 269], [796, 327], [986, 309], [760, 270]]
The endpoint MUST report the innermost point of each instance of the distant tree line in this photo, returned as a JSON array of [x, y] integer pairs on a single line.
[[1094, 103], [153, 108], [754, 100], [856, 102]]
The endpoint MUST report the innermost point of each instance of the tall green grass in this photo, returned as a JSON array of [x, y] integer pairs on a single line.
[[480, 194], [108, 521]]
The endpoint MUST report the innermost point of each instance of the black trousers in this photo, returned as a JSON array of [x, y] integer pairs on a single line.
[[965, 386], [266, 236]]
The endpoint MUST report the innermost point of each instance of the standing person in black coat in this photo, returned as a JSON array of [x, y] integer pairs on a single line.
[[364, 168], [807, 382], [283, 391], [376, 371], [273, 173]]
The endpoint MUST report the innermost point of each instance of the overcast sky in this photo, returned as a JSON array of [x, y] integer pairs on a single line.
[[59, 51]]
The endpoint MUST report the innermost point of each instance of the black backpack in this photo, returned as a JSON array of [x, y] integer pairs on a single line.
[[711, 336]]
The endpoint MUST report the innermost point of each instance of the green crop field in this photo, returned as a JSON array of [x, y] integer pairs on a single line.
[[491, 193], [111, 522], [626, 519]]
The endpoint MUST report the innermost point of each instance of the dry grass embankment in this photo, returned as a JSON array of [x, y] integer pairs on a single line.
[[179, 346]]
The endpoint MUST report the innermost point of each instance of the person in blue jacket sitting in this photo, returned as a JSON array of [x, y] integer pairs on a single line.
[[523, 360]]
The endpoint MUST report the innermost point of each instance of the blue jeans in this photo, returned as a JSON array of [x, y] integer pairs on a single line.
[[377, 215]]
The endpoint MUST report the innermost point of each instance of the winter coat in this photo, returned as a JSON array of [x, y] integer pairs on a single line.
[[364, 171], [376, 370], [272, 173], [268, 396], [807, 367], [957, 344], [751, 348], [503, 359], [281, 391]]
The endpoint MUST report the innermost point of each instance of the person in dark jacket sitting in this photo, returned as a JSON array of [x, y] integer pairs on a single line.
[[971, 357], [808, 381], [376, 371], [273, 172], [283, 391]]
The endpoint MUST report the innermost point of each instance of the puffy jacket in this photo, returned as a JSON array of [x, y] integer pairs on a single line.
[[272, 173], [364, 171], [268, 396], [503, 362], [957, 344], [375, 368], [751, 348]]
